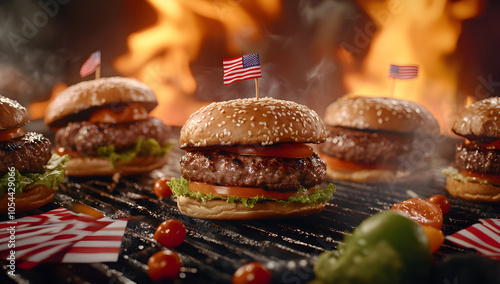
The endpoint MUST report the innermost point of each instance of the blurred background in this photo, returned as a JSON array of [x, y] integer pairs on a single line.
[[311, 51]]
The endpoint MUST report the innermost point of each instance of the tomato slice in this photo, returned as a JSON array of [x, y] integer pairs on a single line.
[[348, 166], [132, 112], [495, 144], [421, 211], [242, 192], [293, 151], [11, 133], [61, 151], [492, 178]]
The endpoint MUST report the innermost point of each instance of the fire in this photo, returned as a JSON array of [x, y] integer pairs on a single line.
[[411, 32], [161, 55], [36, 110]]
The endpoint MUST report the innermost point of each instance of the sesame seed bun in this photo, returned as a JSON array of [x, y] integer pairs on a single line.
[[380, 113], [473, 191], [12, 114], [222, 210], [95, 93], [481, 118], [95, 166], [32, 198], [264, 121], [369, 139]]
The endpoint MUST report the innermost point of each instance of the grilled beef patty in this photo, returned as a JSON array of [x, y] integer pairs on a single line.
[[86, 137], [369, 147], [27, 154], [473, 157], [270, 173]]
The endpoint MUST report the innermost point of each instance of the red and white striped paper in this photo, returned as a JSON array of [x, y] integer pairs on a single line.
[[62, 236], [484, 237]]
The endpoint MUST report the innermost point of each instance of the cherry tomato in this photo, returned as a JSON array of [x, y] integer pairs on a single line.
[[254, 272], [421, 211], [164, 264], [435, 237], [161, 187], [170, 233], [441, 201]]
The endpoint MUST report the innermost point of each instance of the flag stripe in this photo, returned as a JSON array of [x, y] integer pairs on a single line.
[[241, 68], [90, 65], [246, 72], [403, 72], [492, 224], [484, 237], [60, 233]]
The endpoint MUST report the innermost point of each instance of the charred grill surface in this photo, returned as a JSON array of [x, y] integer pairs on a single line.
[[270, 173]]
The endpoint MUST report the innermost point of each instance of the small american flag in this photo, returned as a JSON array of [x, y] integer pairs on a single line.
[[62, 236], [91, 64], [241, 68], [484, 237], [403, 72]]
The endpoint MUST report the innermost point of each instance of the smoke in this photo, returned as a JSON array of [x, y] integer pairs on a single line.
[[298, 55], [29, 62]]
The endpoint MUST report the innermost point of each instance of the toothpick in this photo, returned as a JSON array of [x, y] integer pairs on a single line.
[[98, 71], [257, 88], [393, 86]]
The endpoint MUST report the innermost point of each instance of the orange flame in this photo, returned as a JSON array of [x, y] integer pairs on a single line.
[[36, 110], [161, 55], [412, 32]]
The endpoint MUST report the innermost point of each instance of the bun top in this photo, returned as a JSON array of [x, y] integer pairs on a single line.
[[95, 93], [379, 113], [12, 114], [481, 118], [264, 121]]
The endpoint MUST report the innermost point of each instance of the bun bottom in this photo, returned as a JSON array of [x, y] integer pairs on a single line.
[[95, 166], [473, 191], [222, 210], [32, 198]]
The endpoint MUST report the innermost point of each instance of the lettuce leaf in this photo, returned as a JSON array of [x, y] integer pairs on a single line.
[[179, 187], [50, 177], [145, 148], [455, 174]]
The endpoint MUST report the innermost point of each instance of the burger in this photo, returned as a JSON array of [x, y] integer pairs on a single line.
[[105, 128], [377, 139], [475, 174], [250, 159], [29, 173]]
